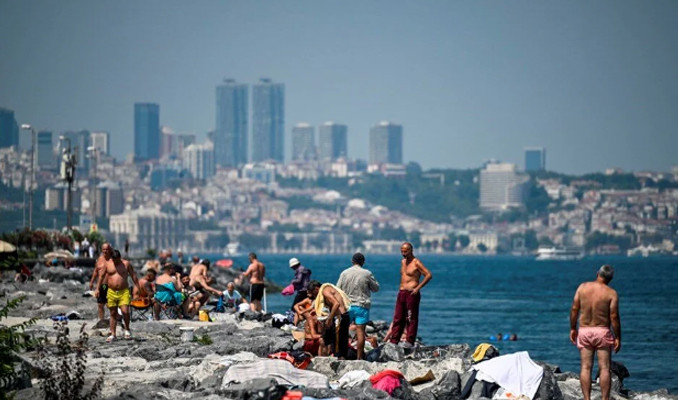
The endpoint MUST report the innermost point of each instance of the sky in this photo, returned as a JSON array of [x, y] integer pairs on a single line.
[[595, 83]]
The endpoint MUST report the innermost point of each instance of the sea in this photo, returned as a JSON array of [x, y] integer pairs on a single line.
[[471, 299]]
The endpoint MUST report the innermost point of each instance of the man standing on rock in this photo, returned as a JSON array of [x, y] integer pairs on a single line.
[[116, 275], [407, 302], [99, 269], [256, 272], [597, 306], [358, 284]]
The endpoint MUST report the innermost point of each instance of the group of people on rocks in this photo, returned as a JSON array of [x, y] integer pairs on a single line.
[[163, 285], [329, 310]]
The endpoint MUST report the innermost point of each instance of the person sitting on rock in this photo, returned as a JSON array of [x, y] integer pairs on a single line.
[[200, 281], [146, 288], [232, 298], [168, 290]]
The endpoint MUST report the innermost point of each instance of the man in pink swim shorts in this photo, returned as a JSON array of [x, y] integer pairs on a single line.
[[597, 306]]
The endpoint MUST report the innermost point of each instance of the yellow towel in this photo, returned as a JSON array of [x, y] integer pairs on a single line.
[[479, 353], [319, 302]]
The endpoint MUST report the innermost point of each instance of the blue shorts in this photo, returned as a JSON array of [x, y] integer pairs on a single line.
[[359, 315]]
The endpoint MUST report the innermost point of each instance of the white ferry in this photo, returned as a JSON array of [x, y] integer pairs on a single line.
[[232, 250], [560, 253]]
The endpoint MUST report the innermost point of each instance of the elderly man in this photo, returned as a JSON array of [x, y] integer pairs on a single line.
[[358, 283], [116, 275], [99, 269], [407, 303], [597, 306]]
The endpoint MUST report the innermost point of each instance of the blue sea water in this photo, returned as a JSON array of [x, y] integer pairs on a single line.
[[472, 298]]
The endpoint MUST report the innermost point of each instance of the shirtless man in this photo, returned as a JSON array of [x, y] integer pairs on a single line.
[[199, 280], [255, 272], [99, 268], [338, 303], [146, 284], [116, 275], [407, 302], [597, 306]]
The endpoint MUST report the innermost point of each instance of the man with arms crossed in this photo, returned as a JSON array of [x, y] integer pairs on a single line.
[[597, 306], [256, 272], [116, 275], [358, 284], [99, 268], [407, 302]]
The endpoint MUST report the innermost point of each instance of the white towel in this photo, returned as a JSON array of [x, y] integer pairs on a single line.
[[516, 373]]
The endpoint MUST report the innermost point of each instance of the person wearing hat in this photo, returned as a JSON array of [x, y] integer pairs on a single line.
[[358, 283], [302, 276]]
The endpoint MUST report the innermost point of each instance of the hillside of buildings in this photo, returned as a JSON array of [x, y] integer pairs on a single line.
[[339, 206]]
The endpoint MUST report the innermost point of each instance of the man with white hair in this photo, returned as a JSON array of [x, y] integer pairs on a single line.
[[597, 306]]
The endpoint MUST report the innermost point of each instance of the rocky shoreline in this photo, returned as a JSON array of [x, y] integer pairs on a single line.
[[157, 364]]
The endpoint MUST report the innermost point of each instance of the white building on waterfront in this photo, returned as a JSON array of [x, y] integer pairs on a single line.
[[501, 187], [148, 228]]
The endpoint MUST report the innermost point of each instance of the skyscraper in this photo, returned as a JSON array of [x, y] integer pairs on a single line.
[[101, 140], [386, 143], [535, 159], [199, 160], [268, 121], [45, 158], [332, 141], [9, 130], [230, 136], [303, 142], [501, 187], [146, 131]]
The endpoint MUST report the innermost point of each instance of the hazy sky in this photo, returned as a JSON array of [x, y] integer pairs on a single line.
[[596, 83]]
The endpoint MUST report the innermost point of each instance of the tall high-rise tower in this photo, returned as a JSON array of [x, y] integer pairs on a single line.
[[146, 131], [303, 142], [102, 141], [268, 121], [386, 143], [535, 159], [332, 141], [9, 130], [45, 151], [230, 136]]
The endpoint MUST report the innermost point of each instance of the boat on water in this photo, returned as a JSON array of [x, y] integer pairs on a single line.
[[232, 250], [560, 253]]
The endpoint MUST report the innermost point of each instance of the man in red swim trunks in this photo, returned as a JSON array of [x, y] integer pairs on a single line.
[[597, 306]]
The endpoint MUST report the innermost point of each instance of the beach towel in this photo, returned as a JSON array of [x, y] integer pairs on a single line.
[[352, 378], [300, 359], [319, 302], [282, 371], [516, 373]]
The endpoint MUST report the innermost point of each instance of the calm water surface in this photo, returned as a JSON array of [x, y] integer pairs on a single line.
[[471, 298]]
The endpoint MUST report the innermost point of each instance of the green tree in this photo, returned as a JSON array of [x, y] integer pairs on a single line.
[[464, 241], [482, 247], [415, 238], [452, 240], [12, 341]]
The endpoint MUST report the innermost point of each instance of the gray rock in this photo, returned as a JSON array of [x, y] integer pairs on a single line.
[[447, 387], [60, 274], [392, 352], [548, 388]]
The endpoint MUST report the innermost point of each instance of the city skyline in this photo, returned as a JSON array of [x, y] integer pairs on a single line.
[[593, 83]]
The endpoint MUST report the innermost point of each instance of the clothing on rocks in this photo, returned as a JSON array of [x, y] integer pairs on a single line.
[[166, 293], [282, 371], [358, 284], [406, 313], [387, 380], [300, 359], [352, 378], [516, 373], [484, 351]]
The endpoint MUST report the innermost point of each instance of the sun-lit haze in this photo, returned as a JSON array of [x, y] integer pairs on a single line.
[[595, 83]]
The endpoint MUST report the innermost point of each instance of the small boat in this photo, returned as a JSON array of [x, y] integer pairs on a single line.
[[232, 250], [560, 253]]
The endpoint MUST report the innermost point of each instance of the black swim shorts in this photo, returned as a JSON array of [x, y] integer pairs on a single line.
[[103, 292], [257, 291]]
